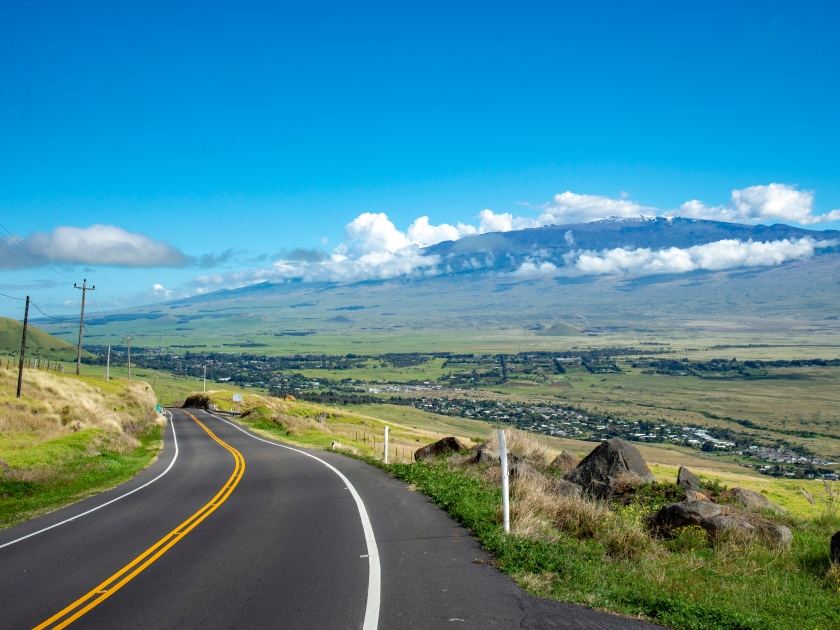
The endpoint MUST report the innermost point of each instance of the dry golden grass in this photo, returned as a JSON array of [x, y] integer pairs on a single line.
[[524, 444], [54, 405]]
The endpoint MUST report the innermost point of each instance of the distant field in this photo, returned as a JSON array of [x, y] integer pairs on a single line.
[[790, 401], [664, 461]]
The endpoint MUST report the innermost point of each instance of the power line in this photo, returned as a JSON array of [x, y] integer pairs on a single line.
[[17, 243], [63, 321], [12, 298]]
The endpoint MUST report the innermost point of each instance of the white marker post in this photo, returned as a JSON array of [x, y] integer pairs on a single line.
[[505, 489], [386, 445]]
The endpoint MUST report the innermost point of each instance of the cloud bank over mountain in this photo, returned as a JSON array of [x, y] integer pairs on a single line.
[[375, 249], [716, 256]]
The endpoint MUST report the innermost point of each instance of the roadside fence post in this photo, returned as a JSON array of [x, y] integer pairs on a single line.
[[386, 445], [505, 488]]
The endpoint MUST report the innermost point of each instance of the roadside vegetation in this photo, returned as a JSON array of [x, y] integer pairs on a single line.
[[70, 437], [602, 554]]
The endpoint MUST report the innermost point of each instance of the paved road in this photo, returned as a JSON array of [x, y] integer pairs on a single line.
[[275, 542]]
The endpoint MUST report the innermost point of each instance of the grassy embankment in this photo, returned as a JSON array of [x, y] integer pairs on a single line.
[[592, 553], [69, 437]]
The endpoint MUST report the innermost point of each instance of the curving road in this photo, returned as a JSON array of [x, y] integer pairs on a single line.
[[228, 530]]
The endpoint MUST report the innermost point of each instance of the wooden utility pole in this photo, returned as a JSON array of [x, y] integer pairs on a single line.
[[108, 366], [128, 345], [23, 346], [205, 378], [84, 289]]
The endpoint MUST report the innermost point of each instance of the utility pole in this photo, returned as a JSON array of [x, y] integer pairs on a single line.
[[23, 346], [205, 379], [108, 365], [128, 345], [84, 289]]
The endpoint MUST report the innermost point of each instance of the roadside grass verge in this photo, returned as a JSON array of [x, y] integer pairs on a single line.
[[68, 438], [727, 585], [602, 555]]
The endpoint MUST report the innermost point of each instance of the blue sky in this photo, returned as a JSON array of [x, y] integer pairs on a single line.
[[263, 129]]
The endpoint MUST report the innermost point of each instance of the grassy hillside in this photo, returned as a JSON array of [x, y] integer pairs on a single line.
[[38, 343], [70, 437], [596, 553]]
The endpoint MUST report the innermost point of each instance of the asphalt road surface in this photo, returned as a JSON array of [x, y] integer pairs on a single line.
[[227, 530]]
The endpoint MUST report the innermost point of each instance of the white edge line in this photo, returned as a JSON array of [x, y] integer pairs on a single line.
[[375, 572], [99, 507]]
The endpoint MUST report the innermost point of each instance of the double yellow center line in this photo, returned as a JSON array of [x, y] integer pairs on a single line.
[[103, 591]]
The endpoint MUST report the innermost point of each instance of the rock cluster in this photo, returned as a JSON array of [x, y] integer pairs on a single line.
[[615, 467], [698, 510], [441, 447]]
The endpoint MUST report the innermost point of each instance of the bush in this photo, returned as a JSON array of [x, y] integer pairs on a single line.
[[197, 401]]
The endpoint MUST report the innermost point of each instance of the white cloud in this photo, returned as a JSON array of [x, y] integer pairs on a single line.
[[423, 234], [376, 232], [720, 255], [95, 245], [504, 222], [532, 269], [755, 204], [569, 207]]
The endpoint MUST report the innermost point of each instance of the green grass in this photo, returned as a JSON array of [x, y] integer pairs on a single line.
[[73, 473], [38, 343], [695, 589]]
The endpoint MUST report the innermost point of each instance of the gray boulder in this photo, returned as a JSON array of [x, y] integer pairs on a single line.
[[441, 447], [614, 467], [688, 480], [683, 514], [779, 535], [565, 488], [486, 455], [753, 500], [523, 470], [716, 525], [565, 461]]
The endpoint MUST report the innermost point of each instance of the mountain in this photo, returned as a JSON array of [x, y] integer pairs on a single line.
[[38, 342], [506, 250], [479, 286]]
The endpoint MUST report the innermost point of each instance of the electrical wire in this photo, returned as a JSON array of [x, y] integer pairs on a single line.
[[11, 238], [63, 321], [12, 298]]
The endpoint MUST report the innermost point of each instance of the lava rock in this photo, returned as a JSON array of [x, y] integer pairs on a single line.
[[754, 500], [835, 547], [687, 480], [441, 447], [614, 463], [716, 525], [565, 461], [779, 535], [486, 455], [683, 514], [523, 470], [566, 488]]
